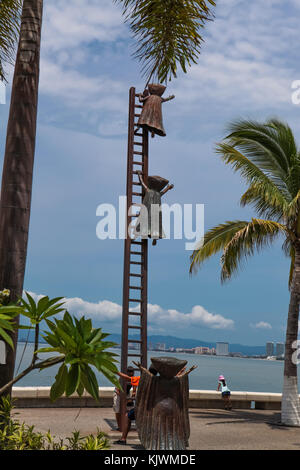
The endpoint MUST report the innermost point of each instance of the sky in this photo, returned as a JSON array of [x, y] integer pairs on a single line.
[[248, 64]]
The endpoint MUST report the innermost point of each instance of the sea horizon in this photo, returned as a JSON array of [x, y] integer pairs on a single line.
[[242, 374]]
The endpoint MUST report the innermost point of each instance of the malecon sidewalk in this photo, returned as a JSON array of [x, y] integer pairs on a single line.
[[211, 429]]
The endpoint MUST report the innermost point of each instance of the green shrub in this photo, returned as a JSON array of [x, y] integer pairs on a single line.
[[20, 436]]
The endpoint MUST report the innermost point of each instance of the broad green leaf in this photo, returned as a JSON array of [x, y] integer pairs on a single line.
[[73, 379], [58, 388], [6, 338]]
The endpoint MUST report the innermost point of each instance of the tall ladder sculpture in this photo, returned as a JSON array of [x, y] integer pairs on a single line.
[[134, 316]]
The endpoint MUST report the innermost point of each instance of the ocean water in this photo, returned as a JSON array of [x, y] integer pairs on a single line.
[[242, 374]]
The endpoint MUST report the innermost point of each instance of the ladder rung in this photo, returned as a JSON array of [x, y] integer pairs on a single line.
[[135, 287], [138, 134], [135, 275], [136, 183], [137, 115], [138, 105], [135, 313], [137, 153], [134, 355], [136, 253], [138, 143], [135, 300], [136, 243], [135, 172], [137, 194], [136, 327], [134, 340], [138, 163], [135, 262]]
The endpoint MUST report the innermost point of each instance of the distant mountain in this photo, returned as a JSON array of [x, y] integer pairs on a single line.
[[188, 343], [172, 341]]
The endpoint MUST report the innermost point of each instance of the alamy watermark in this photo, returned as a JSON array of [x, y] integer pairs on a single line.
[[177, 221], [296, 92]]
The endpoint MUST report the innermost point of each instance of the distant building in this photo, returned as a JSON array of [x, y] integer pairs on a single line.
[[222, 349], [279, 349], [270, 348], [203, 350]]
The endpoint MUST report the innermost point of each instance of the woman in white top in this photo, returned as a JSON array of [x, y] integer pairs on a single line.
[[225, 392]]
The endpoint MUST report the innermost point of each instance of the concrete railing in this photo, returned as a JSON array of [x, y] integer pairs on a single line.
[[38, 397]]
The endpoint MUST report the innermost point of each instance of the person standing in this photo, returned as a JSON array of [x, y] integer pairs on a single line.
[[225, 392], [116, 396]]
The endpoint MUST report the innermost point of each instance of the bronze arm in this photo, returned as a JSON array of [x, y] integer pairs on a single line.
[[171, 97], [141, 180], [170, 186], [143, 98], [188, 371]]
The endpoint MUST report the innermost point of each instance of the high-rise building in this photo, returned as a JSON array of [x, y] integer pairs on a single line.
[[270, 348], [222, 349], [279, 349]]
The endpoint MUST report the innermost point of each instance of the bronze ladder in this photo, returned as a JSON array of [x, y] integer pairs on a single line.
[[134, 318]]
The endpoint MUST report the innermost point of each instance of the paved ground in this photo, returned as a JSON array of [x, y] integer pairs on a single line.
[[210, 429]]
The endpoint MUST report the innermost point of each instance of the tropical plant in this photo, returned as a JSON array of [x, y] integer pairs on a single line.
[[7, 314], [79, 346], [167, 33], [17, 171], [9, 30], [267, 157], [19, 436]]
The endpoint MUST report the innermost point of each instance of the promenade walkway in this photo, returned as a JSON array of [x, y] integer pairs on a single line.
[[211, 429]]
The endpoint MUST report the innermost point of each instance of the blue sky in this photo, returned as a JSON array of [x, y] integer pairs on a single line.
[[248, 63]]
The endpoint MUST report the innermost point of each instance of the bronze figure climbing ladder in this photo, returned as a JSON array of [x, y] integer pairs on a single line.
[[134, 316]]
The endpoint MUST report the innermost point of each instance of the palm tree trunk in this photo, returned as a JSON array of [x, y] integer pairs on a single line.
[[290, 409], [18, 164]]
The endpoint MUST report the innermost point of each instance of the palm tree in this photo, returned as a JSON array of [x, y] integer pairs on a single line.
[[9, 29], [16, 187], [167, 33], [267, 157]]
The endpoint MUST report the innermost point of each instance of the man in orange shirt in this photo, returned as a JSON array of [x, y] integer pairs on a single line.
[[116, 398], [134, 380], [130, 416]]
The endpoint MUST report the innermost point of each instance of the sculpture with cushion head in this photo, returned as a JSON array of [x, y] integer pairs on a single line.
[[162, 418]]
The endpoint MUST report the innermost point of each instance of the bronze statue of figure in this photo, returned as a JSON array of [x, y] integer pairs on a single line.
[[149, 223], [161, 410], [151, 115]]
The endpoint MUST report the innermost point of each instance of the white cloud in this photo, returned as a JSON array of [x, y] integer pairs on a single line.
[[262, 325], [69, 25], [81, 91], [197, 317], [246, 60], [160, 319]]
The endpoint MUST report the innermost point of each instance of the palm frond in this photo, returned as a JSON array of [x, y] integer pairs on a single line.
[[285, 138], [257, 234], [260, 142], [10, 11], [250, 171], [267, 200], [167, 33], [267, 147], [215, 240]]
